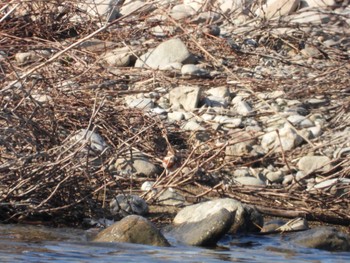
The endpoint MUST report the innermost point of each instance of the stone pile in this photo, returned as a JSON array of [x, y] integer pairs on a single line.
[[206, 223]]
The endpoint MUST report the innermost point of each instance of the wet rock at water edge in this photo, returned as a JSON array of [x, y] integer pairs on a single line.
[[206, 232], [124, 205], [133, 229], [246, 218], [325, 238]]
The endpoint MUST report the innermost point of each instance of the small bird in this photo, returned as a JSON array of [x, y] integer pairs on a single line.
[[170, 162]]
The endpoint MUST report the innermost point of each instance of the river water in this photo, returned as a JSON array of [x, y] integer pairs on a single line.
[[40, 244]]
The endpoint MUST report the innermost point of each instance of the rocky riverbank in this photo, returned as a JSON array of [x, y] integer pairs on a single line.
[[109, 107]]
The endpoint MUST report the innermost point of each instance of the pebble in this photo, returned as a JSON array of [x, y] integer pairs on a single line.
[[168, 52], [241, 106], [176, 116], [193, 70], [192, 126], [91, 139], [221, 92], [249, 181], [140, 103], [309, 164], [186, 97]]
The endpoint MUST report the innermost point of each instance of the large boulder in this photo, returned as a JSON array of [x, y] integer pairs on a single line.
[[246, 218], [167, 53], [325, 238], [133, 229]]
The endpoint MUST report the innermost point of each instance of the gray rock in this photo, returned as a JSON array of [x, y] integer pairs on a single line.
[[182, 11], [192, 126], [205, 232], [204, 17], [101, 8], [171, 197], [185, 97], [146, 186], [275, 177], [119, 57], [193, 70], [241, 172], [176, 116], [309, 164], [241, 106], [300, 121], [137, 163], [196, 5], [325, 238], [228, 6], [42, 98], [243, 146], [249, 181], [31, 56], [336, 186], [315, 17], [289, 139], [140, 103], [221, 92], [133, 229], [93, 141], [124, 205], [171, 51], [310, 51], [315, 103], [136, 6], [228, 122], [213, 101], [315, 131], [277, 8], [246, 218]]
